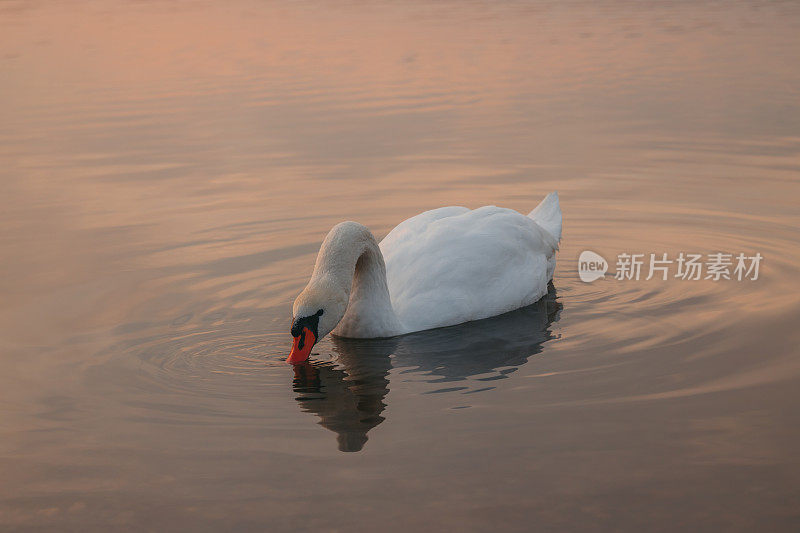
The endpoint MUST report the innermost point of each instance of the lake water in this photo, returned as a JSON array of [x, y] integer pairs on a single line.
[[168, 171]]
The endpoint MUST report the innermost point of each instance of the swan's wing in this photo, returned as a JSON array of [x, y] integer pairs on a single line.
[[548, 215], [412, 229], [452, 265]]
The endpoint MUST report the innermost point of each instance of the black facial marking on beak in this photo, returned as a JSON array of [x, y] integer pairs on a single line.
[[310, 322]]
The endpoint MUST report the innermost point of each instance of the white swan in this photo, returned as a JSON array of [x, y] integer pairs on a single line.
[[439, 268]]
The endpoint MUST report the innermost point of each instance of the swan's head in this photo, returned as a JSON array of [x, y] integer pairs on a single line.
[[315, 313]]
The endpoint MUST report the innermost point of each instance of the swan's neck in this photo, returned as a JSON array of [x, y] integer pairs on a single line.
[[351, 261]]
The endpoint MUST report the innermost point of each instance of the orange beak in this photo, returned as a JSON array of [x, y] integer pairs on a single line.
[[301, 348]]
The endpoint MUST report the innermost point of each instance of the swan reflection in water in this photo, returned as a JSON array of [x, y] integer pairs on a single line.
[[348, 394]]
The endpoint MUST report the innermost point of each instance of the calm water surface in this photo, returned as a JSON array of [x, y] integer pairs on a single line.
[[168, 171]]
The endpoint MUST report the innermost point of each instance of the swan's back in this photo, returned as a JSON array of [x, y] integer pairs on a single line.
[[453, 264]]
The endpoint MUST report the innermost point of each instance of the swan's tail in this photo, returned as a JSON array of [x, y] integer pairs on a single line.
[[548, 215]]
